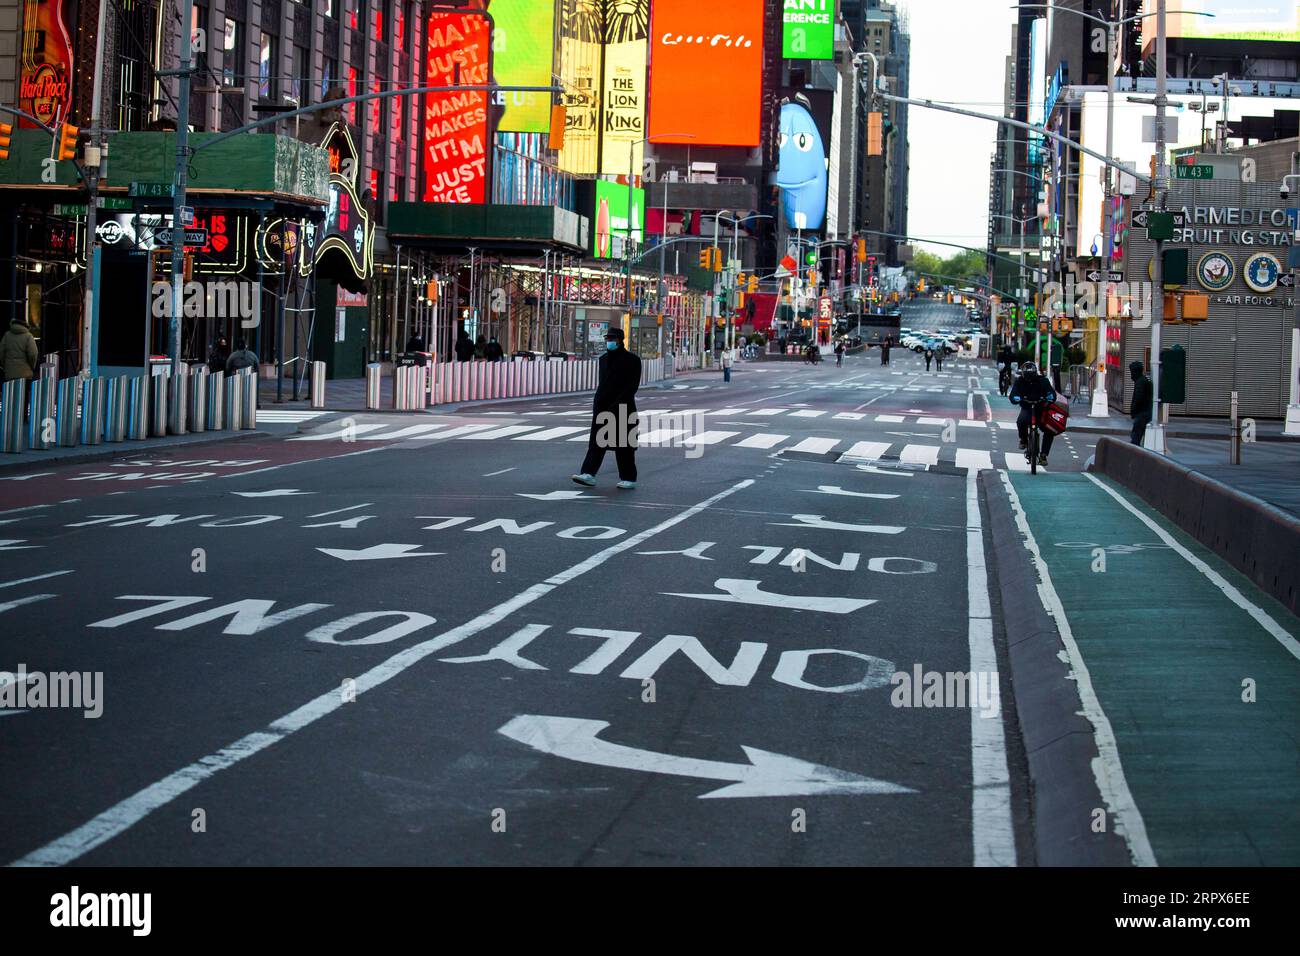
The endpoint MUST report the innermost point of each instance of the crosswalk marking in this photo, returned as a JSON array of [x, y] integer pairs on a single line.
[[709, 438], [409, 432], [340, 432], [890, 418], [971, 423], [932, 421], [1007, 425], [1016, 461], [768, 411], [973, 458], [807, 413], [287, 415], [458, 432], [550, 433], [815, 446], [505, 432], [725, 411], [920, 454], [867, 450], [659, 435], [762, 440], [851, 416]]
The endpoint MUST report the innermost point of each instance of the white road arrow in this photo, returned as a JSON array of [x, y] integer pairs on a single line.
[[837, 490], [28, 477], [273, 493], [766, 775], [557, 496], [16, 544], [742, 591], [379, 552]]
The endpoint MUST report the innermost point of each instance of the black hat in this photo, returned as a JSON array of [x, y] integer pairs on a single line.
[[1135, 366], [614, 333]]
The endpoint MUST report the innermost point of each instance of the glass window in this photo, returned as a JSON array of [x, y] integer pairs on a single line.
[[329, 75], [267, 66], [232, 60], [301, 74]]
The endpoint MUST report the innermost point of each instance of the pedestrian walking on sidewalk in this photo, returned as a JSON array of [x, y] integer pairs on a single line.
[[494, 351], [884, 350], [726, 365], [242, 357], [464, 347], [217, 354], [1140, 409], [839, 354], [18, 352], [613, 420], [929, 357], [938, 359]]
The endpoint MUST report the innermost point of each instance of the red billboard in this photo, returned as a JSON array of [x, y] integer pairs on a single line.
[[706, 72], [458, 52]]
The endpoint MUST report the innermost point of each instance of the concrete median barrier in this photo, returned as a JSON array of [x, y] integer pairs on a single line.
[[1258, 539]]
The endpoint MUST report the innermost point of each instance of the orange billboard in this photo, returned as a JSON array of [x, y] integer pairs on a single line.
[[706, 72]]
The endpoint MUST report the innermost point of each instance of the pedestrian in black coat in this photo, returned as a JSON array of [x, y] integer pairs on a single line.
[[464, 347], [613, 421], [1140, 410]]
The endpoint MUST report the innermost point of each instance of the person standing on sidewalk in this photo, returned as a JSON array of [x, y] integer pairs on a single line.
[[726, 365], [1140, 409], [929, 357], [884, 349], [242, 357], [18, 352], [613, 421], [938, 358]]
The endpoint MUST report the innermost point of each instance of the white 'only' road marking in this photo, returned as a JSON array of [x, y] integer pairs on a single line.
[[125, 814], [1107, 769]]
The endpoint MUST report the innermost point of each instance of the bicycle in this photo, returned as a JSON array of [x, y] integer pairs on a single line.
[[1004, 380]]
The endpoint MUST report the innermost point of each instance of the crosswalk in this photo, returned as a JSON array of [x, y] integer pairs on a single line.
[[750, 415], [922, 454], [288, 416]]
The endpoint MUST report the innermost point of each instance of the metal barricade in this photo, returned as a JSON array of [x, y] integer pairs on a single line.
[[233, 404], [13, 408], [65, 413], [198, 398], [373, 372], [137, 410], [94, 392], [178, 401], [159, 387], [217, 402], [115, 409], [317, 384], [40, 423], [248, 415]]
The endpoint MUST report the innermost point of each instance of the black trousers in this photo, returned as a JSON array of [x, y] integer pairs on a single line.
[[1139, 429], [927, 365], [1022, 426], [624, 455]]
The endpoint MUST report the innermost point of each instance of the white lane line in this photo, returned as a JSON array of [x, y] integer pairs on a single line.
[[493, 474], [457, 432], [867, 450], [932, 421], [970, 424], [709, 438], [920, 454], [807, 413], [125, 814], [406, 432], [815, 446], [505, 432], [768, 411], [850, 416], [339, 433], [761, 440], [1262, 617], [1107, 769], [725, 411], [550, 433], [39, 577], [890, 418], [1016, 461], [974, 459], [970, 405], [19, 602]]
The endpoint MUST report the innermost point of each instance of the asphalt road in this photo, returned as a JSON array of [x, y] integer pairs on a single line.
[[412, 640]]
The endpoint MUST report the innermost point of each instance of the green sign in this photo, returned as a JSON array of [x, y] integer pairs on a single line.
[[1194, 172], [152, 190], [808, 29], [114, 202], [65, 209], [612, 227]]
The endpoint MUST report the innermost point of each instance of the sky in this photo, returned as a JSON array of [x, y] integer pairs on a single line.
[[959, 50]]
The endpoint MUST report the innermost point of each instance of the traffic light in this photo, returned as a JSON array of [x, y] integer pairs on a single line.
[[753, 285], [717, 259], [740, 281], [68, 141], [706, 258], [1196, 307], [874, 134], [861, 250], [6, 131]]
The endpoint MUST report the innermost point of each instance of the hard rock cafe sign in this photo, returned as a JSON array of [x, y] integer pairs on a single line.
[[44, 87]]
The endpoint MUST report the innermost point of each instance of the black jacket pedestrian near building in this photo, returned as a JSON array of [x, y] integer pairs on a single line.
[[464, 348], [494, 351], [1140, 409], [613, 423]]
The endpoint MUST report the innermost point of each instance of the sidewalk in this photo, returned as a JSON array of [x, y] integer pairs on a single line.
[[1165, 655], [1269, 471], [1178, 427]]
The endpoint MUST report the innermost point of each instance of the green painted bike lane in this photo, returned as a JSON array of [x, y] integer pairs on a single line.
[[1216, 779]]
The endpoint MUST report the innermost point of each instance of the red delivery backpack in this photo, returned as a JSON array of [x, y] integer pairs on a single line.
[[1055, 417]]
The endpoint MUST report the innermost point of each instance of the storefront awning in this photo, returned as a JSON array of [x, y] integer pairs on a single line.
[[505, 227]]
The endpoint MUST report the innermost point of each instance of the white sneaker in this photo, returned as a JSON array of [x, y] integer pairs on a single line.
[[626, 485], [585, 479]]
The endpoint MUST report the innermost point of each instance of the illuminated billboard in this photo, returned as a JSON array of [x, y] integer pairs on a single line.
[[522, 47], [458, 51], [45, 81], [706, 72], [613, 225], [1232, 20], [580, 47], [622, 115], [808, 29]]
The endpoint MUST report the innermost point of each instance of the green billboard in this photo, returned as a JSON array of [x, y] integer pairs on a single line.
[[808, 29], [522, 52], [611, 226]]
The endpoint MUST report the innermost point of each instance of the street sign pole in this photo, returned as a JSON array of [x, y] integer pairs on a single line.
[[1155, 434], [178, 199], [1292, 426], [1100, 400]]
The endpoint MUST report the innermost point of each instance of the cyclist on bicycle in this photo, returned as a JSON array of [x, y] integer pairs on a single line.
[[1032, 389]]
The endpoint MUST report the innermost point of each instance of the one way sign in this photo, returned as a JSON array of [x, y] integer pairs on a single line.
[[1141, 218], [1098, 275]]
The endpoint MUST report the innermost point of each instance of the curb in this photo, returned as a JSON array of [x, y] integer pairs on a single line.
[[1058, 741], [126, 449]]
